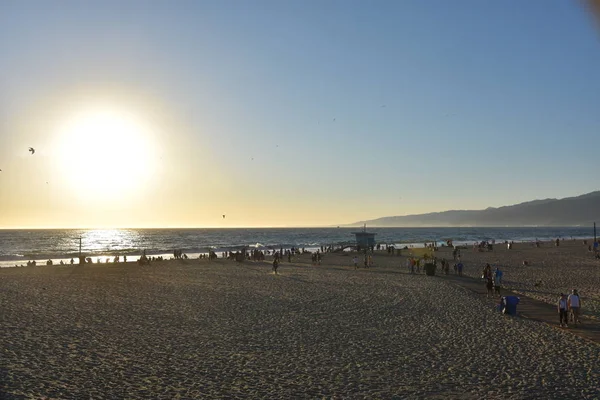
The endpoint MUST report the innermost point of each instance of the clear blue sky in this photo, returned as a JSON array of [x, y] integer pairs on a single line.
[[486, 103]]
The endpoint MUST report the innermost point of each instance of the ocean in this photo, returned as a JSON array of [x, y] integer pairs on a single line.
[[19, 246]]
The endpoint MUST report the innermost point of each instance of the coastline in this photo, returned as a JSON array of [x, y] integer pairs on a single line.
[[19, 246]]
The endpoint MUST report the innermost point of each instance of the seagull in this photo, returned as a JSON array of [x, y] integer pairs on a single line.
[[32, 150]]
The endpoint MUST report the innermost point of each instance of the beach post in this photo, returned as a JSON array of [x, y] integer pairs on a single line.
[[81, 258], [594, 232]]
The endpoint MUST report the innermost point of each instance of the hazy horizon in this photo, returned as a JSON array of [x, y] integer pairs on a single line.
[[340, 225], [290, 114]]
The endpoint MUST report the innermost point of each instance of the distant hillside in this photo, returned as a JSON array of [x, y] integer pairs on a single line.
[[571, 211]]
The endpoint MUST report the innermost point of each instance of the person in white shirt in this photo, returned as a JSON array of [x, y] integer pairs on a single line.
[[574, 303], [562, 311]]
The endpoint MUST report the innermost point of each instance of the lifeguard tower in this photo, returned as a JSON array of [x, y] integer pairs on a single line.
[[364, 240]]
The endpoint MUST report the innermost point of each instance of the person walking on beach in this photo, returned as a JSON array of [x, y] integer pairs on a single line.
[[562, 311], [487, 272], [445, 266], [574, 303], [275, 265], [500, 274], [459, 268], [489, 285], [355, 261], [497, 281]]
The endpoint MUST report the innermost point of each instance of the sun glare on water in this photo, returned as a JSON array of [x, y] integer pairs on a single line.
[[105, 154]]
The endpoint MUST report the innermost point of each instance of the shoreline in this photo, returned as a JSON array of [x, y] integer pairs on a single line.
[[13, 262]]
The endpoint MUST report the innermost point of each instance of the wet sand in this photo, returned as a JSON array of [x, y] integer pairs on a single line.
[[194, 329]]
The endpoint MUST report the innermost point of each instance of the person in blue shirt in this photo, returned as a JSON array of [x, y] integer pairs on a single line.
[[459, 268], [497, 280], [498, 274]]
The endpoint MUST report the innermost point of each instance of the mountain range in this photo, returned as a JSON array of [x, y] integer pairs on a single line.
[[570, 211]]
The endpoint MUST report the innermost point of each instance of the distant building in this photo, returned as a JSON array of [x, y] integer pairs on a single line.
[[364, 239]]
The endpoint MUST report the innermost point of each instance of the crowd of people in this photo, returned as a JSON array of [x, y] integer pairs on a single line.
[[416, 265]]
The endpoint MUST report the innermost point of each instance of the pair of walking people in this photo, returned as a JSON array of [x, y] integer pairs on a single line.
[[566, 304]]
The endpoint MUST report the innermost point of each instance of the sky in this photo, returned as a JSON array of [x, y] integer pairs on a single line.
[[291, 113]]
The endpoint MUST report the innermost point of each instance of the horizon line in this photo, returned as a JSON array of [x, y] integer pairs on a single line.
[[345, 226]]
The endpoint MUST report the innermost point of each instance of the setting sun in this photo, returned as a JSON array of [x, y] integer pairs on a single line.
[[105, 154]]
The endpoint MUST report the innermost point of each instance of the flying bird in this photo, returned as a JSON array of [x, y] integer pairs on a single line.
[[223, 216], [334, 120], [32, 150]]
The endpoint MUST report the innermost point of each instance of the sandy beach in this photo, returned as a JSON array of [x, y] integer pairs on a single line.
[[560, 269], [199, 329]]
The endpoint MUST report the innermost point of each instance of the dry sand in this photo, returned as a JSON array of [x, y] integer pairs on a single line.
[[560, 269], [194, 329]]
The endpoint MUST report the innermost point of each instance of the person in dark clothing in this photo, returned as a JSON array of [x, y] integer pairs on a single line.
[[489, 285], [563, 314]]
